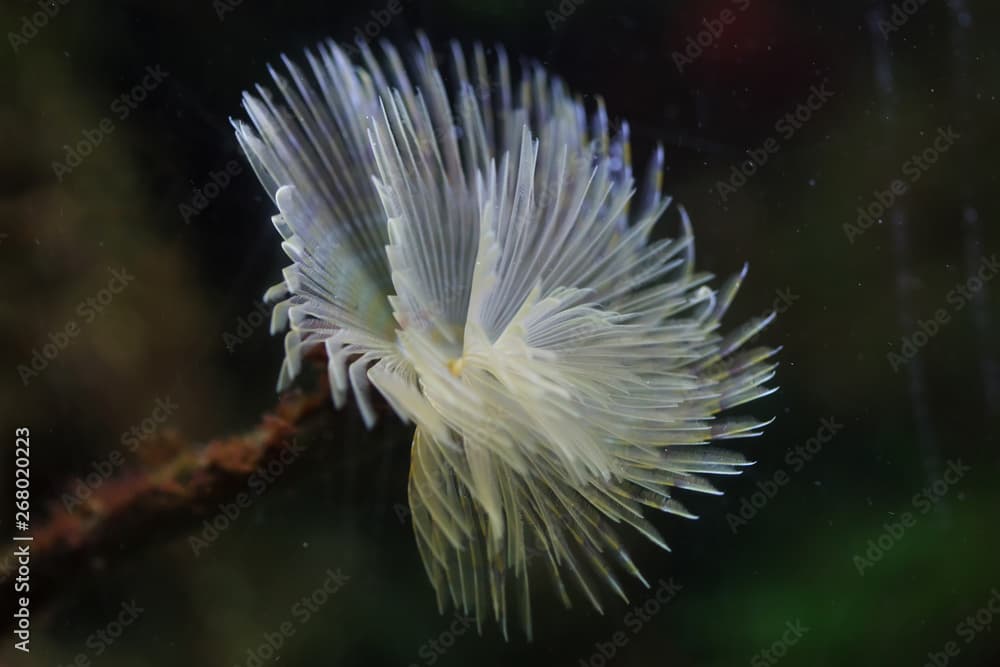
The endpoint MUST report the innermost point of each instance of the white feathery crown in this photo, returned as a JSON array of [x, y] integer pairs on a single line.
[[483, 258]]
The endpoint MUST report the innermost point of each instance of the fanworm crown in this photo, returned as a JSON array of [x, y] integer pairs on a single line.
[[484, 259]]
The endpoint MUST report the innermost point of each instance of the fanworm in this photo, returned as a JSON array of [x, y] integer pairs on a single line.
[[481, 254]]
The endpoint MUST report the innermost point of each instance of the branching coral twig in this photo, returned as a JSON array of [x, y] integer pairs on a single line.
[[143, 507]]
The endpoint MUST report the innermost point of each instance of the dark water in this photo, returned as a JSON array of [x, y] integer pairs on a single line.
[[866, 533]]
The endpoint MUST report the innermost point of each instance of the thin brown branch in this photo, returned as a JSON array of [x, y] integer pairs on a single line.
[[144, 507]]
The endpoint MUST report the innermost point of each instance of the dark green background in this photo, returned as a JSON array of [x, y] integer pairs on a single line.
[[853, 303]]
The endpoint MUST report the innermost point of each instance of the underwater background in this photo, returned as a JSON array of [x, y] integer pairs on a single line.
[[174, 522]]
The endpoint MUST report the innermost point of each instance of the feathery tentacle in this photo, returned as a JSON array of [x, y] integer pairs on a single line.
[[481, 255]]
